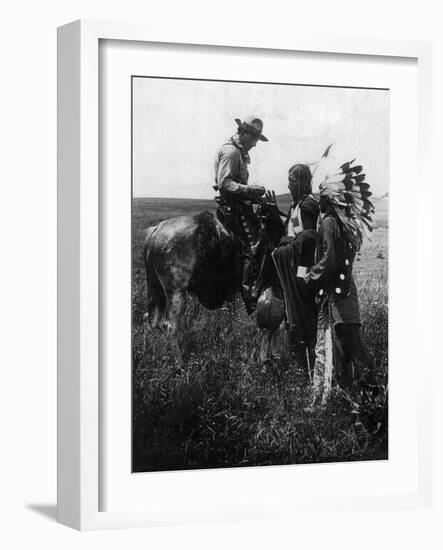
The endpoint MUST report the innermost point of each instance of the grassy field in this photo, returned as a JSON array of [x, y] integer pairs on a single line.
[[223, 409]]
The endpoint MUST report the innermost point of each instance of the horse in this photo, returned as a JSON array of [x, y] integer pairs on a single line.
[[198, 255]]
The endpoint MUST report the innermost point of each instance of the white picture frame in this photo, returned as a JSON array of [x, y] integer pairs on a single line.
[[78, 275]]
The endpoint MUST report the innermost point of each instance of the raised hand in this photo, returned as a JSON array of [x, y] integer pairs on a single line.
[[270, 198]]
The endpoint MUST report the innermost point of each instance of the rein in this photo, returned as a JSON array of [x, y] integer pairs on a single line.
[[271, 243]]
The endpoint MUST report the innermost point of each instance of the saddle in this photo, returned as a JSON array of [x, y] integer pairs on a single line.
[[239, 219]]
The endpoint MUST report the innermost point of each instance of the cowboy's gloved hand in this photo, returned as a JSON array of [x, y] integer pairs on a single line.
[[256, 191]]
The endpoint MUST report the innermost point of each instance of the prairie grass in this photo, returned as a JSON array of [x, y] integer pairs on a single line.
[[223, 409]]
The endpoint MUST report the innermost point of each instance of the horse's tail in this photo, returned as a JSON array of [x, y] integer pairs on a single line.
[[146, 250], [155, 294]]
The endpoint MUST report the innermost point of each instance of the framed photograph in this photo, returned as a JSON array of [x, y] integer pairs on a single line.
[[232, 274]]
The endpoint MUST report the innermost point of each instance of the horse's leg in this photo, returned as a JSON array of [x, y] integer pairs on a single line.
[[270, 314], [155, 293], [174, 311], [174, 274], [276, 339], [156, 304], [266, 345]]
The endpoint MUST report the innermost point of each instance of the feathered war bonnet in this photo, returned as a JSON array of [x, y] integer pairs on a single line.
[[349, 194]]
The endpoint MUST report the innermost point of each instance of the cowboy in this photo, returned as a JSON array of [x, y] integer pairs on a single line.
[[237, 196], [293, 258], [345, 215]]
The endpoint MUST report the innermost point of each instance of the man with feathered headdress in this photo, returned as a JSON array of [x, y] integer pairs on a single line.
[[345, 217]]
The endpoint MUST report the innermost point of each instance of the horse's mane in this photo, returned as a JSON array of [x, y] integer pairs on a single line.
[[207, 241], [217, 273], [214, 278]]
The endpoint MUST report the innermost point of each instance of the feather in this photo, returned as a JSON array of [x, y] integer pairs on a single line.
[[366, 208], [346, 165], [336, 188], [349, 193], [367, 224], [326, 153], [358, 201], [330, 181], [357, 169], [363, 187]]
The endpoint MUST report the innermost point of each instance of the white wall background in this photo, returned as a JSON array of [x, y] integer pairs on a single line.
[[28, 274]]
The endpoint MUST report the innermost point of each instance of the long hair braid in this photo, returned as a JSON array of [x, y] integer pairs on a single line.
[[299, 181]]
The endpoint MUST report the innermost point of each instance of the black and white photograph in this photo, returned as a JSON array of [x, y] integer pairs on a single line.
[[259, 273], [222, 270]]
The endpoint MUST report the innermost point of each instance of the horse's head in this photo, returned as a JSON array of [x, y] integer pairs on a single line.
[[270, 220]]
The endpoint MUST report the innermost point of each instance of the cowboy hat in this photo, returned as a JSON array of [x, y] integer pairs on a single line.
[[253, 125]]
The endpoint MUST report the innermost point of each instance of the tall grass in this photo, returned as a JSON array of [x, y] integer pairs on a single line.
[[223, 409]]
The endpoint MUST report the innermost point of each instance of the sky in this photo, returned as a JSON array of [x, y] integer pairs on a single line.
[[179, 125]]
